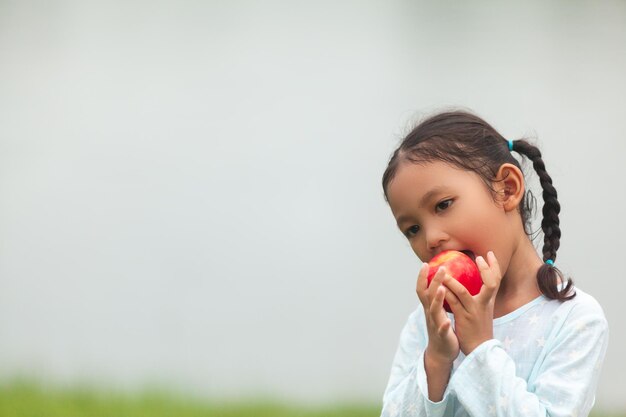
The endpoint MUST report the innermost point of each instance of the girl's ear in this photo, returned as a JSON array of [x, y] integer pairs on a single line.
[[509, 186]]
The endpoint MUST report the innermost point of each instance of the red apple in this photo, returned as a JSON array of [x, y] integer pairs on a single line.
[[459, 266]]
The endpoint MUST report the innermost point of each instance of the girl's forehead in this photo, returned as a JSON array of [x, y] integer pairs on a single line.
[[415, 180], [430, 174]]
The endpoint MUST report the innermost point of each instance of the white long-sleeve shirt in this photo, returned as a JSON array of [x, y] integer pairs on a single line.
[[544, 360]]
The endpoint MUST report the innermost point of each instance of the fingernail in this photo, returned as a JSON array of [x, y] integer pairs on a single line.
[[480, 259]]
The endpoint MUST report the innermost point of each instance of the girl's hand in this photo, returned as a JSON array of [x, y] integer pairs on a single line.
[[443, 345], [473, 315]]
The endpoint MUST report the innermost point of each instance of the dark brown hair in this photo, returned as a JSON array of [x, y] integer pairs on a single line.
[[468, 142]]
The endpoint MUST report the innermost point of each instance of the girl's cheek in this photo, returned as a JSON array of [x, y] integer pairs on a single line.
[[418, 249]]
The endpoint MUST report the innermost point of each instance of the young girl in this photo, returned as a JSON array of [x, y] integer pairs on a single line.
[[530, 343]]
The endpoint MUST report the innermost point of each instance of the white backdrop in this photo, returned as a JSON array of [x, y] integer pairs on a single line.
[[190, 191]]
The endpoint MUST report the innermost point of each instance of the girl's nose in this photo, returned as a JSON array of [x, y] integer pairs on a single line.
[[435, 237]]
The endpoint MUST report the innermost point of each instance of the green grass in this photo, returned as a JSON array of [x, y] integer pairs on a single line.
[[25, 399]]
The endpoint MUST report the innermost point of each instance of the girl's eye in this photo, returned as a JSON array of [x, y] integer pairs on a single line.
[[444, 204], [411, 231]]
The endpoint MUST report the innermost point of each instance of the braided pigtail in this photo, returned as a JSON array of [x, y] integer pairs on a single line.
[[548, 275]]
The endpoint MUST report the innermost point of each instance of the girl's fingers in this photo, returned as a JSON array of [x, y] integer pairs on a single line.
[[432, 296], [437, 313], [495, 266], [457, 296], [422, 284], [429, 290], [436, 283], [438, 278], [443, 329], [490, 273]]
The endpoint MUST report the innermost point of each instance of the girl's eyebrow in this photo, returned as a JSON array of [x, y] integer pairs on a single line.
[[429, 195], [424, 200]]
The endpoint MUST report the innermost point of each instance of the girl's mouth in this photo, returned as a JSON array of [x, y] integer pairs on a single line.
[[470, 254]]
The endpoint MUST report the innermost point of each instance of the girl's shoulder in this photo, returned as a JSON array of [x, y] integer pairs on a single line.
[[584, 310], [552, 312], [548, 321], [580, 313], [582, 304]]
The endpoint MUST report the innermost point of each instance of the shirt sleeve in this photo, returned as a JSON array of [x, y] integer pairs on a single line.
[[562, 384], [406, 394]]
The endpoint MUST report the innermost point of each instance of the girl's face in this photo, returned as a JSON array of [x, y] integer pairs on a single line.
[[440, 207]]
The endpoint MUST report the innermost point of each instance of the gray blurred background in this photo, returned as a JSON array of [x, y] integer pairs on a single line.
[[190, 191]]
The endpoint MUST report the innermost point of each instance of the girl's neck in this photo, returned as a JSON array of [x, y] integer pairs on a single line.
[[519, 284]]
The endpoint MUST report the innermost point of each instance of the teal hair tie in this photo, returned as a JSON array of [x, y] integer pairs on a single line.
[[510, 145], [550, 262]]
